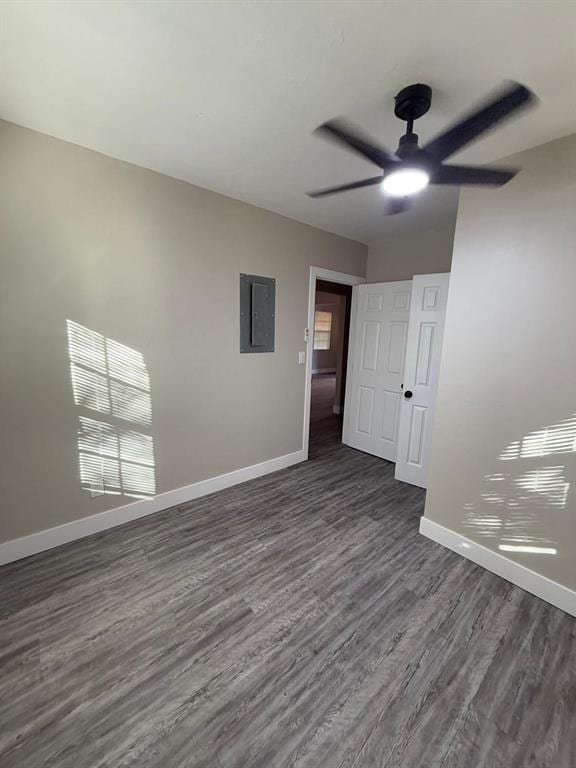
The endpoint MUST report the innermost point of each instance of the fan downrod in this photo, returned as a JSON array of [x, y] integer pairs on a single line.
[[412, 102]]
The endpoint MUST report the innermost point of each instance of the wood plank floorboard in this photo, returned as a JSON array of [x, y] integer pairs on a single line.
[[296, 621]]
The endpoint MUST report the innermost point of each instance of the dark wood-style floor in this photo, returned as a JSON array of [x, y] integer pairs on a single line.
[[296, 620]]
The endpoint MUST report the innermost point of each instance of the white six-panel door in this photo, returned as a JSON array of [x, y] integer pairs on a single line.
[[374, 389], [423, 350]]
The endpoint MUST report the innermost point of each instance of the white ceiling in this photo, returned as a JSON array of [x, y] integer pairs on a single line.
[[226, 94]]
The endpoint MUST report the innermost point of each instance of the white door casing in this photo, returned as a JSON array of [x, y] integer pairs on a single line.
[[379, 331], [319, 273], [423, 351]]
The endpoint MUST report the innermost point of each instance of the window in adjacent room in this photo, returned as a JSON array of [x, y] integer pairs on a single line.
[[322, 329]]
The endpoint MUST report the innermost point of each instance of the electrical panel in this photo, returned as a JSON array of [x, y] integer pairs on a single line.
[[257, 313]]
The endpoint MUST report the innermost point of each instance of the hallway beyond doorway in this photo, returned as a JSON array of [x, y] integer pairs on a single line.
[[325, 425]]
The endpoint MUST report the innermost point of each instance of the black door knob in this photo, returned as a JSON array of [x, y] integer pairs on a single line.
[[408, 394]]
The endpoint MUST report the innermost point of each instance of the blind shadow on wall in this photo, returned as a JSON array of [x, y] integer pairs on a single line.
[[111, 381], [532, 473]]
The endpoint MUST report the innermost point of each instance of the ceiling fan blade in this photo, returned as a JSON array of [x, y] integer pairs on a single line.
[[346, 187], [509, 101], [468, 174], [397, 205], [354, 139]]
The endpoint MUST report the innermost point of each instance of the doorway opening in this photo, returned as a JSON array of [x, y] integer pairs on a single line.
[[330, 309], [388, 372], [395, 350], [330, 335]]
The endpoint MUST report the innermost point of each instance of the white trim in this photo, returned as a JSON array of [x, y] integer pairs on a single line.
[[77, 529], [349, 367], [323, 370], [544, 588], [331, 276]]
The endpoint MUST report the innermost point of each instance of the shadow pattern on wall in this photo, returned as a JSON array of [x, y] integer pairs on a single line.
[[111, 388], [534, 476]]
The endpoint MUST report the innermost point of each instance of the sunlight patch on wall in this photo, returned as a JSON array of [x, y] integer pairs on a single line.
[[529, 549], [111, 379], [557, 438], [547, 483], [510, 508], [107, 376]]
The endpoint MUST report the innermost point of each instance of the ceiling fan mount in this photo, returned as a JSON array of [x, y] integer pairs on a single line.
[[411, 168], [413, 102]]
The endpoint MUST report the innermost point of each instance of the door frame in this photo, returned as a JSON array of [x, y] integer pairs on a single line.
[[330, 276]]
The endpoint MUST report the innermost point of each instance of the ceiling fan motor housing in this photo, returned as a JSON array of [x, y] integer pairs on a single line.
[[412, 102], [408, 145]]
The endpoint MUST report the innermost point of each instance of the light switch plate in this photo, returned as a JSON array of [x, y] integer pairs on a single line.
[[301, 358]]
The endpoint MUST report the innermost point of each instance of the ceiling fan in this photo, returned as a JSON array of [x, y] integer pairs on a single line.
[[411, 168]]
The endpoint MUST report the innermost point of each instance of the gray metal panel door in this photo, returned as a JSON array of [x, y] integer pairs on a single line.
[[257, 313]]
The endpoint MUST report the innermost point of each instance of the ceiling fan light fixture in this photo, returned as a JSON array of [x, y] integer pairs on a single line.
[[410, 168], [404, 182]]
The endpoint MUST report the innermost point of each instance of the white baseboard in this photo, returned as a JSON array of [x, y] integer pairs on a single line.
[[547, 589], [336, 410], [323, 370], [78, 529]]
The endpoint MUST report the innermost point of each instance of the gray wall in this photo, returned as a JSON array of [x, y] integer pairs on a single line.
[[401, 256], [503, 464], [153, 263]]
